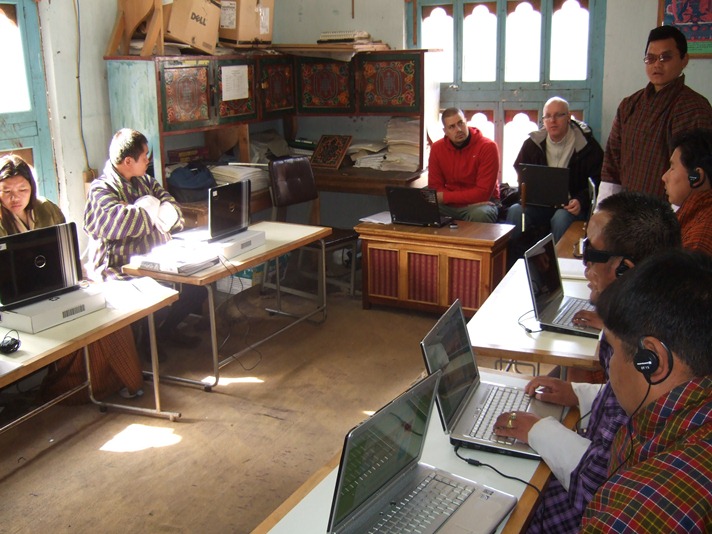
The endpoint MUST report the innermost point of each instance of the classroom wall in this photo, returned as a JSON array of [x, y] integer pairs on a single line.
[[296, 21]]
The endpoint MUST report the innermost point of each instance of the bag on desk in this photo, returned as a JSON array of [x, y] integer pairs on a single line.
[[191, 183]]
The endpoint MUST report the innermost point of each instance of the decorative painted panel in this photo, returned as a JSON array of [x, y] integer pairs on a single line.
[[186, 95], [238, 108], [277, 85], [325, 85], [389, 83]]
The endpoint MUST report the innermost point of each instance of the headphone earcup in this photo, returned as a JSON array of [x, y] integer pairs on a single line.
[[694, 178], [646, 361], [622, 268]]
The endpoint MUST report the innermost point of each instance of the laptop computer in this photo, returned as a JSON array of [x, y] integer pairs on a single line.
[[414, 206], [552, 308], [468, 406], [381, 478], [39, 264], [228, 213], [544, 186]]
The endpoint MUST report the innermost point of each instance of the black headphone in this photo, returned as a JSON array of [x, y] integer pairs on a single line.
[[10, 343], [694, 178], [646, 361], [622, 268]]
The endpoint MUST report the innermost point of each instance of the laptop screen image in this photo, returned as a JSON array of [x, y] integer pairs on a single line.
[[229, 209], [543, 271]]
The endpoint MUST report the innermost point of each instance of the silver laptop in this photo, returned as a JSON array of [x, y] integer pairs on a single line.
[[39, 264], [467, 405], [381, 479], [552, 308], [415, 206], [228, 213], [544, 186]]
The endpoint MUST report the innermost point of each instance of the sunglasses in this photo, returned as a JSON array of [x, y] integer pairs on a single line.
[[592, 255]]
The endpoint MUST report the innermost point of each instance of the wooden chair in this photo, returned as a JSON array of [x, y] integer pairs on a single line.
[[292, 183]]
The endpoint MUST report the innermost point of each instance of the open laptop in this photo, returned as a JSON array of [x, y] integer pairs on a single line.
[[467, 405], [39, 264], [228, 213], [544, 186], [552, 308], [414, 206], [381, 478]]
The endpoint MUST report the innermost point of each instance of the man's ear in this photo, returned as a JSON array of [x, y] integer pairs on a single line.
[[664, 358]]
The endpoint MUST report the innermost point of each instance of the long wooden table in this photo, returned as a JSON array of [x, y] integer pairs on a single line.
[[280, 238], [46, 347]]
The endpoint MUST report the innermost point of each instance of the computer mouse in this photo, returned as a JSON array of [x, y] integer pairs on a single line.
[[453, 225]]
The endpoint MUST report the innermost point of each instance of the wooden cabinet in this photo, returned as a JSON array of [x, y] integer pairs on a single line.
[[428, 268]]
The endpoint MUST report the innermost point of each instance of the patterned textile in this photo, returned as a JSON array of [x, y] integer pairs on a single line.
[[465, 175], [560, 511], [638, 150], [661, 467], [695, 216], [117, 229]]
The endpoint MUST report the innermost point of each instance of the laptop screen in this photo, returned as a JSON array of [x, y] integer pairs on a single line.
[[447, 347], [382, 447], [543, 273], [38, 264], [545, 186], [229, 209]]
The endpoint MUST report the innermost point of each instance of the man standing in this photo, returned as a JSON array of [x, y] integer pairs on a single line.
[[128, 212], [562, 142], [657, 320], [463, 169], [639, 143]]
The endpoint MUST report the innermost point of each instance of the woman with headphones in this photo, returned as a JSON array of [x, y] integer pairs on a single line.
[[687, 184]]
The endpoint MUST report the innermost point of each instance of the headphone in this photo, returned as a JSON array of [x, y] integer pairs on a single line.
[[622, 268], [10, 343], [646, 361], [695, 178]]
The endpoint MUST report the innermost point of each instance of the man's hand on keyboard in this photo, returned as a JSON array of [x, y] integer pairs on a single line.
[[515, 425], [587, 319], [549, 389]]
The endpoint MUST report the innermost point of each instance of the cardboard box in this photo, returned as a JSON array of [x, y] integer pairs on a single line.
[[56, 310], [246, 21], [194, 22]]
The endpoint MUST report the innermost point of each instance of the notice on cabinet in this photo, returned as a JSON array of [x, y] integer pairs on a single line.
[[235, 85]]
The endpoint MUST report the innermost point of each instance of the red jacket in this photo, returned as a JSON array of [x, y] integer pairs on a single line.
[[466, 175]]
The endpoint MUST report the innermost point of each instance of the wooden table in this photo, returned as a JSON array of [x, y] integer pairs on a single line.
[[569, 241], [428, 268], [43, 348], [307, 510]]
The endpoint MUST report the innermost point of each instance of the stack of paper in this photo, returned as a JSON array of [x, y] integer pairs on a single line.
[[403, 139]]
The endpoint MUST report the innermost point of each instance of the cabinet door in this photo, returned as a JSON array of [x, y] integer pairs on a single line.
[[325, 85], [277, 86], [390, 83], [185, 91], [236, 90]]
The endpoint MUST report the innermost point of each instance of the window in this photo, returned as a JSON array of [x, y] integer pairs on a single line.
[[500, 60]]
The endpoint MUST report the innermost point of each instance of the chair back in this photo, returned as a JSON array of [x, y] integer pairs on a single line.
[[292, 181]]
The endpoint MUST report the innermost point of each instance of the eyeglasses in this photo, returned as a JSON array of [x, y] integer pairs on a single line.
[[592, 255], [555, 116], [652, 59]]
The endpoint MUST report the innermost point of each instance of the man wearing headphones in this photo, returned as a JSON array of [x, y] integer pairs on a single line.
[[687, 184], [658, 320], [627, 228]]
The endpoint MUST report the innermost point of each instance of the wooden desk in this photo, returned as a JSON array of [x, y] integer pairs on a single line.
[[365, 181], [428, 268], [43, 348], [569, 241], [307, 510], [494, 329], [280, 238]]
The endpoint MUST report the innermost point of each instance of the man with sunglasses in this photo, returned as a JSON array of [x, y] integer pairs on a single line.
[[627, 228], [639, 143]]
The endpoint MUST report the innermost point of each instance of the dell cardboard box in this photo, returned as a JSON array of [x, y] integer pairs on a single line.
[[193, 22], [55, 310]]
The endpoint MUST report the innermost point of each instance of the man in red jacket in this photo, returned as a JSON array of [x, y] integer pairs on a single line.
[[463, 169]]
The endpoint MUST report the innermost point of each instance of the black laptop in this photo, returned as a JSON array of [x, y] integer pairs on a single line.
[[544, 186], [417, 207], [39, 264]]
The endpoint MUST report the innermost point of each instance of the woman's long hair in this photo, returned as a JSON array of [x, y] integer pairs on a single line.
[[11, 166]]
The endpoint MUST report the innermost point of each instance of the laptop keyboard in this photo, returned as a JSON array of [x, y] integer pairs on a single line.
[[499, 400], [566, 315], [426, 507]]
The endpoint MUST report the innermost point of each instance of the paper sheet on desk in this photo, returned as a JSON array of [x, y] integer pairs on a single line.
[[121, 294], [383, 217], [571, 268]]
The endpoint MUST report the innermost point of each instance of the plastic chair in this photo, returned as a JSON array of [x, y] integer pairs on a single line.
[[292, 183]]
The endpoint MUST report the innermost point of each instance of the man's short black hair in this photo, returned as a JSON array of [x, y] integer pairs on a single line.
[[669, 297], [668, 32], [449, 112], [126, 143], [695, 149], [640, 225]]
